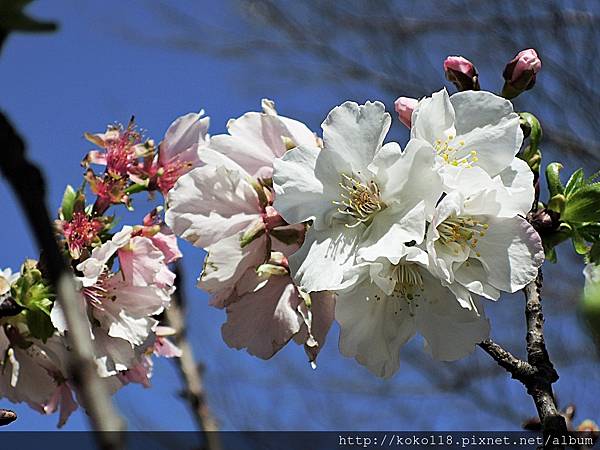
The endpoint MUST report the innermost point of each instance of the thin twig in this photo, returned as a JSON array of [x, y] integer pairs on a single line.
[[190, 373], [29, 186]]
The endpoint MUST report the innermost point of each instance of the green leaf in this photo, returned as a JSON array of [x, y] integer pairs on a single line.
[[68, 203], [575, 182], [583, 205], [590, 231], [39, 323]]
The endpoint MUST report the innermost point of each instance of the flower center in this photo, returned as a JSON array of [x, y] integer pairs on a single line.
[[448, 152], [464, 231], [359, 200], [409, 281]]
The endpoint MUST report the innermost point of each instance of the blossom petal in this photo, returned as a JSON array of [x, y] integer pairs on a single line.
[[209, 204], [413, 178], [391, 230], [353, 134], [517, 179], [433, 118], [373, 328], [511, 253], [185, 133], [227, 261], [275, 319], [451, 331], [488, 125], [331, 251], [300, 196]]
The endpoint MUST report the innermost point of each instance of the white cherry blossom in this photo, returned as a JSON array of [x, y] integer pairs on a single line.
[[358, 193]]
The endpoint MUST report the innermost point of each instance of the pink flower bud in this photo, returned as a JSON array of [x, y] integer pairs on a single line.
[[404, 107], [462, 73], [459, 64], [519, 74]]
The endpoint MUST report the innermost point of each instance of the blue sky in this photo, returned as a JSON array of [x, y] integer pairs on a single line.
[[56, 86]]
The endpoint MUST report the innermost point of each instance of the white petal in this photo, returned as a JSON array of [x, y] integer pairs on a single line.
[[299, 194], [511, 253], [433, 118], [253, 142], [209, 204], [373, 328], [331, 252], [354, 134], [391, 230], [451, 332], [517, 179], [413, 178], [226, 263], [473, 276], [95, 264], [488, 125]]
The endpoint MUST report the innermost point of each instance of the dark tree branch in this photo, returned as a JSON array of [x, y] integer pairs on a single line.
[[540, 385], [7, 416], [189, 371], [519, 369], [538, 373], [29, 186]]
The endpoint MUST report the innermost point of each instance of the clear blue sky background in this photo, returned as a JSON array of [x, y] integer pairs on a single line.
[[56, 86]]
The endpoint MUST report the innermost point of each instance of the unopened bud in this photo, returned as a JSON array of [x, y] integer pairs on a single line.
[[272, 218], [462, 73], [268, 270], [404, 107], [256, 230], [519, 74]]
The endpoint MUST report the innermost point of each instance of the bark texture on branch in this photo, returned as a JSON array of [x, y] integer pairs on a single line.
[[29, 186], [191, 376], [537, 373]]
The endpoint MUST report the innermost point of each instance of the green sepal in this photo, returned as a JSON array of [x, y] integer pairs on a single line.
[[136, 188], [39, 324], [579, 243], [555, 186]]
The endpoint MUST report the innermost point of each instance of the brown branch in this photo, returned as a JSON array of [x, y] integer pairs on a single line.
[[29, 186], [190, 373], [537, 374], [540, 385], [7, 416], [519, 369]]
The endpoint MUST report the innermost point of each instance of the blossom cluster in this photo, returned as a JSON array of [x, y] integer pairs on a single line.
[[390, 242], [299, 230], [124, 277]]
